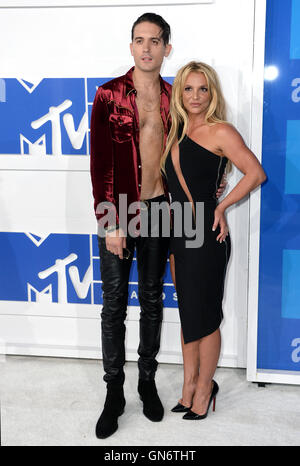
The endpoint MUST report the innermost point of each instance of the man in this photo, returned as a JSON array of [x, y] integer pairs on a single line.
[[129, 126]]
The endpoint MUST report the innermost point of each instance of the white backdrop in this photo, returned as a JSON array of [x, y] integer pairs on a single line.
[[90, 42]]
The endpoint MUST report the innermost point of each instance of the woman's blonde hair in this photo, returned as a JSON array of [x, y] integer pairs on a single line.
[[216, 112]]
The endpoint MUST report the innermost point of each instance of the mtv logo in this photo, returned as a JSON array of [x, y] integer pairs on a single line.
[[34, 148], [44, 267], [37, 238], [30, 84], [43, 296]]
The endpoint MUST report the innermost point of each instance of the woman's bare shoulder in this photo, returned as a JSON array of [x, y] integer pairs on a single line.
[[226, 131], [225, 127]]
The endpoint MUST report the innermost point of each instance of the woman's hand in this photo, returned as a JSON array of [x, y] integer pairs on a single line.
[[220, 221]]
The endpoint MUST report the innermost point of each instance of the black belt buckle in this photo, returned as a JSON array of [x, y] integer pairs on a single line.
[[126, 253], [147, 205]]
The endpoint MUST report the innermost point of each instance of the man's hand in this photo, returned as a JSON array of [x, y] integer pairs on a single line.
[[115, 242], [222, 187]]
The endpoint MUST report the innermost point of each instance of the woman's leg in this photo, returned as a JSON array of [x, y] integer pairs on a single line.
[[190, 353], [209, 353]]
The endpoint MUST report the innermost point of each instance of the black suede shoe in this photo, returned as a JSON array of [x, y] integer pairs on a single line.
[[153, 409], [113, 408]]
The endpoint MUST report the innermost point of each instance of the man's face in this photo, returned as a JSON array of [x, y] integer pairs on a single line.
[[148, 48]]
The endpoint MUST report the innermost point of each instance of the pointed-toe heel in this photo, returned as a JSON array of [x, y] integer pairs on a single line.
[[179, 408], [191, 416]]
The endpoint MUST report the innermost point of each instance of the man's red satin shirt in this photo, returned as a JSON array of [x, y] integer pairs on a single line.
[[115, 156]]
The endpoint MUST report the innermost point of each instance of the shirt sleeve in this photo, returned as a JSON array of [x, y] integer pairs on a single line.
[[102, 161]]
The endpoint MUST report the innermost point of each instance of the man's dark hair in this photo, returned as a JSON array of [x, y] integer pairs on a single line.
[[156, 19]]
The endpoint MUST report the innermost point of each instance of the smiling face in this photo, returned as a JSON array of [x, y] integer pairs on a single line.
[[195, 95], [148, 48]]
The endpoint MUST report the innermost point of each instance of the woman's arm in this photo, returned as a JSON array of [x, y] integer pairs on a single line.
[[233, 147]]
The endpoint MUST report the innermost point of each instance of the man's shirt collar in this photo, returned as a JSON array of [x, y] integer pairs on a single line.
[[130, 86]]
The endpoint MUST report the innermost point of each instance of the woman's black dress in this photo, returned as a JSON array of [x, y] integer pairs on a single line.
[[194, 174]]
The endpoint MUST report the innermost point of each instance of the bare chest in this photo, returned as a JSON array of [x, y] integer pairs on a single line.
[[149, 113]]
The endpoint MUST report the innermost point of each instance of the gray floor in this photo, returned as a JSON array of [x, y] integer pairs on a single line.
[[52, 401]]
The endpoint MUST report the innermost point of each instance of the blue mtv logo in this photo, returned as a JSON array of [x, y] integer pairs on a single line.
[[46, 117], [59, 268], [56, 269]]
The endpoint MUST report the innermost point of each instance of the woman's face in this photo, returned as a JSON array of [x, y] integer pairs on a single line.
[[196, 96]]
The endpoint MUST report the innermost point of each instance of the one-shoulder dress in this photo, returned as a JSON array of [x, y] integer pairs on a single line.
[[193, 176]]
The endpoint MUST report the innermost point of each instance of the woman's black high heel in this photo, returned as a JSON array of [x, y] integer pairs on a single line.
[[190, 415], [179, 408]]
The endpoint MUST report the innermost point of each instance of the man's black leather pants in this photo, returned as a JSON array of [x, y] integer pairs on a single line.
[[151, 256]]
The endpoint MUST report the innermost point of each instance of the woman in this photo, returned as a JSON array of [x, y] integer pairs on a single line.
[[199, 147]]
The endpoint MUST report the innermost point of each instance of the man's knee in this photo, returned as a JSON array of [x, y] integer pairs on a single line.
[[114, 306]]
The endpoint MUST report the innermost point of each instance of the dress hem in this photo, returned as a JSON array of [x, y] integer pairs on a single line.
[[209, 332]]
